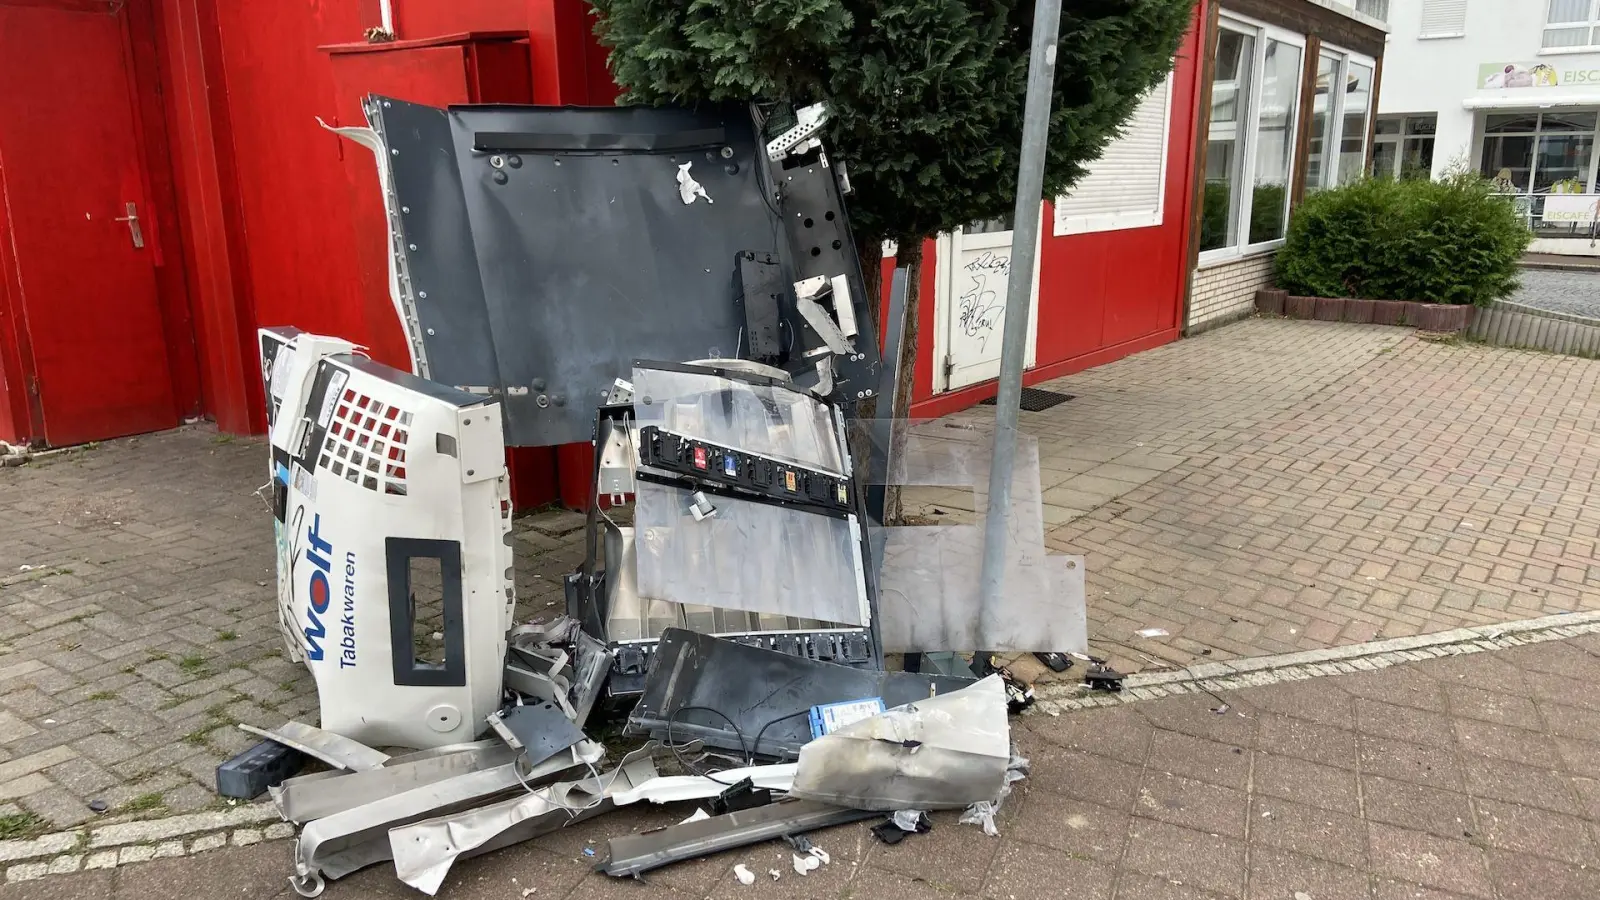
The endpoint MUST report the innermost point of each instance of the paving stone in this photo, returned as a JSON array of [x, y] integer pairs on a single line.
[[1437, 767], [1209, 862], [1288, 778], [1193, 804], [1404, 723], [1200, 759], [1277, 873], [1493, 706], [1441, 812], [1307, 740], [1022, 870], [1521, 783], [1535, 831], [1451, 865], [1085, 776], [1522, 876], [1307, 830], [1072, 826], [1506, 743]]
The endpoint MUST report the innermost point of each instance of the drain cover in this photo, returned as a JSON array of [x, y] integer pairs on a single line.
[[1038, 399]]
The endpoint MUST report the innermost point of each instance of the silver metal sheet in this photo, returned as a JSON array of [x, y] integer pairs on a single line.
[[753, 557], [335, 750], [635, 854], [424, 851], [308, 797], [323, 838]]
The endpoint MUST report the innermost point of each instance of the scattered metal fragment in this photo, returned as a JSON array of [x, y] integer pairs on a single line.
[[944, 752], [637, 853], [335, 750]]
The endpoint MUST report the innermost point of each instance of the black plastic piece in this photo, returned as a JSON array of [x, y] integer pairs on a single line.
[[249, 774], [761, 691], [743, 795], [1057, 662], [713, 464], [402, 612], [761, 291], [542, 729], [890, 833], [1101, 677]]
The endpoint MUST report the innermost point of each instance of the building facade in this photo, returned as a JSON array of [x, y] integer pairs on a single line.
[[167, 186], [1288, 103], [1508, 90]]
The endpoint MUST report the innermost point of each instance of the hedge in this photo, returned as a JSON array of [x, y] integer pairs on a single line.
[[1450, 241]]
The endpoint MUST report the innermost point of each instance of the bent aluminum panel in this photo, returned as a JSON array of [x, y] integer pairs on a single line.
[[424, 851], [335, 750], [636, 853], [547, 247], [309, 797], [325, 838], [673, 788]]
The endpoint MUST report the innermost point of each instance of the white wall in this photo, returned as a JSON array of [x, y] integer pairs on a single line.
[[1439, 75]]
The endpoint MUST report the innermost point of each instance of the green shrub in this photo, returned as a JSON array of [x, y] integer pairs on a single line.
[[1451, 241]]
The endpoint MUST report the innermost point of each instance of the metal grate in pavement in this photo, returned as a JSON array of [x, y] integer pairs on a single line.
[[1038, 399]]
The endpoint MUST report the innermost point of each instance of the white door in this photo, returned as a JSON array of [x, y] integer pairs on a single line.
[[973, 270]]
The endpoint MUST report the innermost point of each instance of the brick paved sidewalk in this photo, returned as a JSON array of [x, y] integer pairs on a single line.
[[1267, 487], [1467, 776]]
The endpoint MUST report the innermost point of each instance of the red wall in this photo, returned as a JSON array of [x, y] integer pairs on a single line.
[[1104, 295]]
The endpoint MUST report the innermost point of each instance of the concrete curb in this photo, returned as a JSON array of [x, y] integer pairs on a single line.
[[108, 846], [1055, 699]]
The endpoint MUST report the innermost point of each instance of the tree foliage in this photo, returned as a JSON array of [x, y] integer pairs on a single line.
[[925, 96]]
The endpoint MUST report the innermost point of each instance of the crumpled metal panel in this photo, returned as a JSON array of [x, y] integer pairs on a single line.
[[544, 249]]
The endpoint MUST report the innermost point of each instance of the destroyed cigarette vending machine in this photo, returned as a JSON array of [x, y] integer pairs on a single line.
[[392, 517]]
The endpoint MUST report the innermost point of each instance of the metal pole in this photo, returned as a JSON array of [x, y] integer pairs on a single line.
[[1019, 298]]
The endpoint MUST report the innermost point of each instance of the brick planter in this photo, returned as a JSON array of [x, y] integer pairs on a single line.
[[1300, 307], [1359, 311], [1269, 301], [1436, 317]]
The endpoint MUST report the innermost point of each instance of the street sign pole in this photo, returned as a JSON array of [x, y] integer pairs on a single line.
[[1019, 299]]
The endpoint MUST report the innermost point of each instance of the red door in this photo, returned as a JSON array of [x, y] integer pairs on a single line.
[[82, 236]]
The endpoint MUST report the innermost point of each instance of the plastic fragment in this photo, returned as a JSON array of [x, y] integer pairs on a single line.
[[806, 864], [696, 816], [775, 874], [1152, 632], [744, 874], [983, 812]]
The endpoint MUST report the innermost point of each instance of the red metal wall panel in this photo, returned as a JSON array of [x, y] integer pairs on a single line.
[[302, 267], [1102, 295]]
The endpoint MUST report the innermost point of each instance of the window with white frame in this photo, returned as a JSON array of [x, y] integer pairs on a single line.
[[1443, 19], [1255, 101], [1126, 185], [1403, 146], [1572, 25], [1340, 107]]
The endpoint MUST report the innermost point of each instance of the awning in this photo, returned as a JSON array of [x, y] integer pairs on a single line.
[[1530, 100]]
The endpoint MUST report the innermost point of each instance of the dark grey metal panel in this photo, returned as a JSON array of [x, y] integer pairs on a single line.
[[553, 247], [441, 283], [590, 258]]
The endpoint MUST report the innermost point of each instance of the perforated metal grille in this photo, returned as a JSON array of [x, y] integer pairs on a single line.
[[366, 443]]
